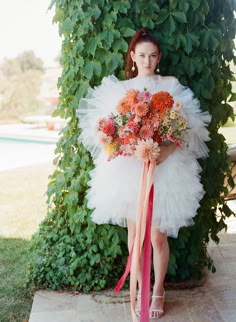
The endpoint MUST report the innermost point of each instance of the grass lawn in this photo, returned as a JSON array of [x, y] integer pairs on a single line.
[[15, 298], [229, 131], [22, 208]]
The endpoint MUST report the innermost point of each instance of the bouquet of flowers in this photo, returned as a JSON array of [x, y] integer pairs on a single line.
[[144, 121]]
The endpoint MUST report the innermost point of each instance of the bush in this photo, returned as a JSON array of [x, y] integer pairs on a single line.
[[196, 39]]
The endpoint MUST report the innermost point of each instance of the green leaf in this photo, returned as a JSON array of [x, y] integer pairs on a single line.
[[171, 24], [162, 16], [179, 16], [97, 67], [127, 32], [195, 4], [107, 35], [92, 45], [183, 5], [83, 87], [191, 40], [232, 97]]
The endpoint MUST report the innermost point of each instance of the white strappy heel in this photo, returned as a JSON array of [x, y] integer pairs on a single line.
[[159, 312]]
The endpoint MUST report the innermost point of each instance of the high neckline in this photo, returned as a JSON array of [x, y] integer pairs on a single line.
[[148, 76]]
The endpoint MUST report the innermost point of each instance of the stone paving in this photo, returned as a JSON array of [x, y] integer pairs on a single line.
[[215, 301]]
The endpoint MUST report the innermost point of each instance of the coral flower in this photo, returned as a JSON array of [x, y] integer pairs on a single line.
[[146, 132], [123, 106], [141, 109], [162, 101], [131, 96], [108, 129], [147, 150]]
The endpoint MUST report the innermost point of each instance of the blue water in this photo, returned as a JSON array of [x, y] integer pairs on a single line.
[[25, 140]]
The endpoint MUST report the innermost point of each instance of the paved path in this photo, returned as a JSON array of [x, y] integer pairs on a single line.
[[215, 301]]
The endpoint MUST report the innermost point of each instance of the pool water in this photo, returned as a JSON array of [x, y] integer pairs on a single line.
[[15, 153]]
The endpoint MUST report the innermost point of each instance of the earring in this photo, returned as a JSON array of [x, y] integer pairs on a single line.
[[158, 69], [133, 67]]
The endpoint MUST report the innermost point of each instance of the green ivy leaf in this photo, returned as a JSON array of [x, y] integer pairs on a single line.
[[162, 16], [171, 24], [127, 32], [179, 16], [232, 97], [92, 45]]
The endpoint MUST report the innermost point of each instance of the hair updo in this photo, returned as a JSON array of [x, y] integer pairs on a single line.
[[142, 35]]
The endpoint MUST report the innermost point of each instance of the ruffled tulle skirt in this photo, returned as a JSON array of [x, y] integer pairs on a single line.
[[114, 187]]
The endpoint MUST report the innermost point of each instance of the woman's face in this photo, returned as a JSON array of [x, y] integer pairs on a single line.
[[146, 56]]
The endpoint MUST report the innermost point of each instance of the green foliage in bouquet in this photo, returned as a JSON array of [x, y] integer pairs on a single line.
[[196, 39]]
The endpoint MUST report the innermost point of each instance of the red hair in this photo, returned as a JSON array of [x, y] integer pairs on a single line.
[[142, 35]]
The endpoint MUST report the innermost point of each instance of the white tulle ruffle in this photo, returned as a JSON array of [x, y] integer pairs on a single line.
[[113, 188]]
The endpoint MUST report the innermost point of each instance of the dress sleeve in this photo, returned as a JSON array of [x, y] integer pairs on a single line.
[[98, 103], [197, 133]]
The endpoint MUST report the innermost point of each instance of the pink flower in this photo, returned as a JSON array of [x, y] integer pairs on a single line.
[[101, 122], [122, 132], [133, 126], [146, 132], [147, 150], [144, 96], [141, 109]]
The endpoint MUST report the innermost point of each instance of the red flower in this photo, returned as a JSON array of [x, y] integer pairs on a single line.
[[108, 129], [161, 101]]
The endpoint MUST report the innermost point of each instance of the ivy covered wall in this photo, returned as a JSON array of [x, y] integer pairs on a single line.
[[196, 40]]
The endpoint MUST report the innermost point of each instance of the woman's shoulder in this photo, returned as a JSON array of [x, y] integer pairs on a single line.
[[172, 79]]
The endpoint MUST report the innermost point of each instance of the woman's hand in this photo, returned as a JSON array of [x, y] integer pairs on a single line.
[[165, 152]]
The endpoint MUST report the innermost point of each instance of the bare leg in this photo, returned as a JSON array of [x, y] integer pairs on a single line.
[[160, 261], [131, 236]]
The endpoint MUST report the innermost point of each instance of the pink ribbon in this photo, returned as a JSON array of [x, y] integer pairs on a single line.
[[143, 236]]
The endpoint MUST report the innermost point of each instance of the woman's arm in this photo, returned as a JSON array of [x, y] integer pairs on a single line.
[[165, 152]]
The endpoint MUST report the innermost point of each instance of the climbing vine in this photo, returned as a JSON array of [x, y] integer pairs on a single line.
[[197, 42]]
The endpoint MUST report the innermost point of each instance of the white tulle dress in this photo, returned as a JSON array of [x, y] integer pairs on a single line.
[[113, 188]]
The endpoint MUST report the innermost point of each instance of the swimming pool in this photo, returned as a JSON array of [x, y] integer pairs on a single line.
[[18, 152], [27, 140]]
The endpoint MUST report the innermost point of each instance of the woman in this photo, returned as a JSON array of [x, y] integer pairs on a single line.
[[114, 185]]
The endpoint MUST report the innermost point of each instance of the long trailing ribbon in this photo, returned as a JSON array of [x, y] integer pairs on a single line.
[[143, 235]]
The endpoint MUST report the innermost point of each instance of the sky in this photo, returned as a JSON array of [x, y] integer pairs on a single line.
[[27, 25]]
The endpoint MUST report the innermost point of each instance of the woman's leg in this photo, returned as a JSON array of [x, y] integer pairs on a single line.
[[160, 262], [131, 237]]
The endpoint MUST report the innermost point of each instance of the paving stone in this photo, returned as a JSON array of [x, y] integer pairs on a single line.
[[215, 301]]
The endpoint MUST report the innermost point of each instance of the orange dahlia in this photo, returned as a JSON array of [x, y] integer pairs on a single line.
[[123, 106], [161, 101], [141, 109], [131, 96]]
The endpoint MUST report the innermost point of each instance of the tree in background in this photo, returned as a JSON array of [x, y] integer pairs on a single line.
[[196, 39], [20, 81]]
